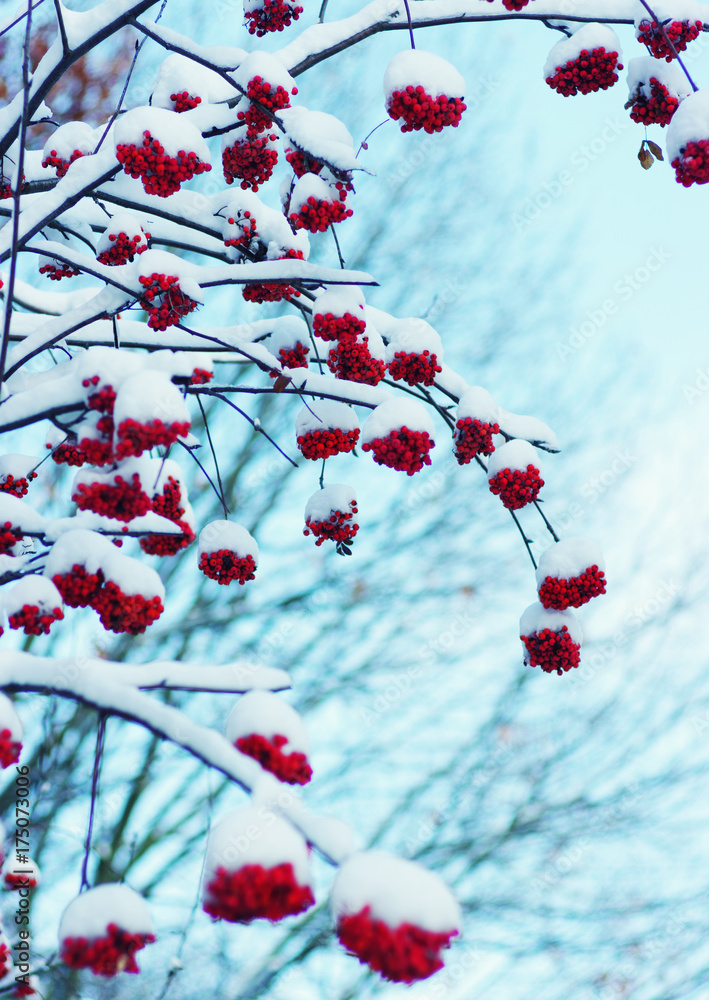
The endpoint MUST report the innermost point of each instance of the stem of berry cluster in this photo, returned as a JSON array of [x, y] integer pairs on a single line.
[[411, 27], [670, 43]]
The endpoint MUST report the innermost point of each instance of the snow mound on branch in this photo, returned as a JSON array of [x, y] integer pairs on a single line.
[[396, 890], [536, 618], [255, 836], [269, 67], [9, 719], [526, 428], [89, 915], [478, 404], [641, 69], [272, 227], [395, 414], [338, 301], [268, 715], [515, 455], [178, 74], [321, 135], [589, 36], [415, 67], [111, 365], [326, 414], [170, 129], [690, 123], [218, 535], [569, 558], [334, 496], [414, 336]]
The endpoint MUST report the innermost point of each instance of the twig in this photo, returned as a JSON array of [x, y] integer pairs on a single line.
[[94, 792], [214, 455], [219, 496], [337, 244], [411, 27], [670, 43], [546, 520], [256, 424]]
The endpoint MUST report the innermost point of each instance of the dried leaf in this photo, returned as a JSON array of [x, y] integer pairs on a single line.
[[646, 158], [655, 150], [280, 383]]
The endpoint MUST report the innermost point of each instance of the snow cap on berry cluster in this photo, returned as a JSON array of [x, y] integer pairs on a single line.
[[690, 123], [588, 36], [150, 395], [310, 186], [326, 414], [268, 715], [30, 871], [123, 222], [272, 227], [111, 365], [178, 74], [671, 10], [95, 552], [35, 591], [334, 496], [642, 68], [536, 617], [414, 336], [339, 301], [9, 719], [321, 135], [394, 414], [290, 330], [477, 403], [255, 836], [515, 455], [397, 891], [17, 466], [162, 262], [269, 67], [20, 514], [171, 130], [70, 138], [218, 535], [89, 915], [569, 558], [414, 67]]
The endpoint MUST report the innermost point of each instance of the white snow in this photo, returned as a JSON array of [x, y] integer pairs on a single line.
[[588, 36], [395, 414], [89, 915], [94, 552], [291, 330], [325, 414], [255, 835], [310, 186], [178, 74], [569, 558], [150, 395], [673, 10], [477, 403], [536, 618], [122, 222], [268, 715], [414, 336], [20, 514], [272, 227], [227, 535], [643, 68], [515, 455], [324, 502], [70, 137], [9, 719], [415, 67], [17, 466], [269, 67], [321, 135], [168, 127], [162, 262], [396, 890], [36, 591], [690, 123], [337, 302]]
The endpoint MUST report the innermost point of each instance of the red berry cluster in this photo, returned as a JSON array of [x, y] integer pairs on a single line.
[[421, 111], [9, 754], [338, 528], [271, 98], [135, 437], [302, 162], [275, 15], [552, 650], [55, 272], [351, 360], [561, 594], [250, 160], [200, 376], [78, 588], [249, 232], [414, 368], [327, 442], [589, 72], [183, 101], [123, 249], [255, 892], [19, 486], [105, 956], [405, 450], [273, 291], [680, 33], [161, 174], [293, 768], [657, 109], [168, 504], [293, 357], [13, 881], [8, 537], [692, 167], [104, 399], [5, 948], [516, 488], [121, 612], [514, 5], [68, 453], [329, 327], [99, 450], [225, 566], [473, 437], [164, 301], [120, 499], [33, 621], [403, 954], [61, 165], [316, 215]]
